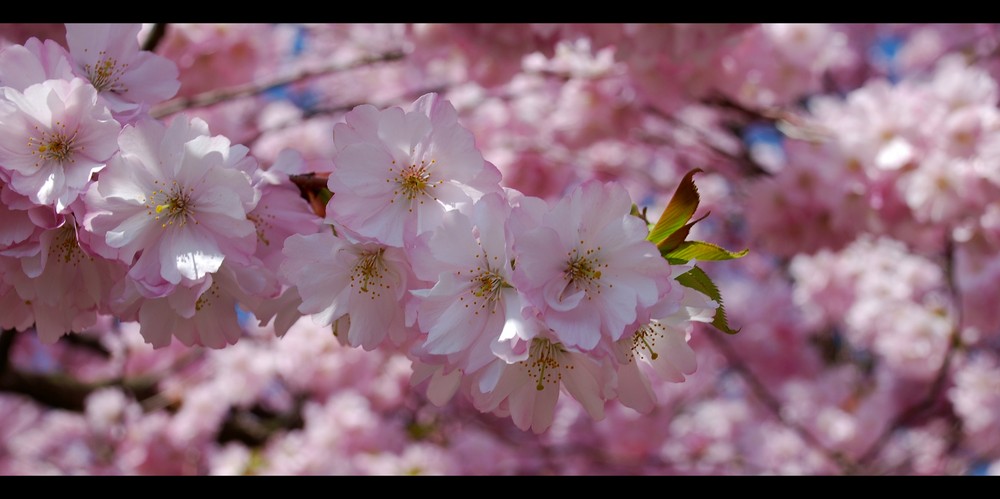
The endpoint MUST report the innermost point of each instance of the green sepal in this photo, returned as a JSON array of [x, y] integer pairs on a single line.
[[679, 210], [324, 195], [700, 250], [640, 214], [699, 281]]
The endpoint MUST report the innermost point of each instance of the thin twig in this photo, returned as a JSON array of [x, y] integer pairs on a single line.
[[792, 125], [744, 160], [217, 96], [317, 112], [774, 405]]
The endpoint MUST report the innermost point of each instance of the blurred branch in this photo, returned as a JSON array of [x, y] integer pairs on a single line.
[[319, 111], [792, 125], [6, 342], [255, 426], [60, 391], [155, 36], [217, 96], [742, 159], [774, 405], [406, 97], [88, 343], [913, 413]]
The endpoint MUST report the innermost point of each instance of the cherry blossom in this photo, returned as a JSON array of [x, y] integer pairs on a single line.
[[172, 204], [367, 280], [128, 79], [588, 269], [397, 172], [56, 135]]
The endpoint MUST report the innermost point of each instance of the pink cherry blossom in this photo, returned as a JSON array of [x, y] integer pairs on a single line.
[[472, 302], [397, 172], [65, 285], [18, 314], [35, 62], [367, 280], [53, 137], [196, 315], [588, 269], [280, 212], [176, 199], [128, 79], [20, 228], [976, 398], [662, 344], [528, 390]]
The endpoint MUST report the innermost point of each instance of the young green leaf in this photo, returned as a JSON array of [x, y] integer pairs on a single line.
[[700, 250], [698, 280], [674, 240], [679, 210]]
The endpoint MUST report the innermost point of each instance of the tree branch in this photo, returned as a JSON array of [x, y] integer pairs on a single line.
[[217, 96], [774, 405], [792, 125], [342, 108], [60, 391], [930, 400], [6, 342], [744, 159], [155, 36]]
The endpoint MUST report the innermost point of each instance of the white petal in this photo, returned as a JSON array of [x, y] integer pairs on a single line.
[[190, 254]]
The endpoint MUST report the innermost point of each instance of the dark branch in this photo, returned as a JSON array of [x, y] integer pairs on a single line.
[[155, 36], [60, 391], [255, 426], [6, 342]]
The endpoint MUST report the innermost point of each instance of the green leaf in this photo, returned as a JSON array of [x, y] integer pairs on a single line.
[[699, 281], [674, 240], [700, 250], [679, 210]]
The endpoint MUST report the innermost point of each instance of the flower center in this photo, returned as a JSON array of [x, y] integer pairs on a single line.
[[490, 285], [65, 247], [207, 298], [543, 364], [584, 270], [262, 222], [645, 339], [487, 286], [171, 207], [55, 145], [106, 73], [368, 272], [413, 181]]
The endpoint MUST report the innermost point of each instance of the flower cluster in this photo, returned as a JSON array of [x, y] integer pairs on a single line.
[[508, 297], [110, 211], [194, 244], [504, 296]]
